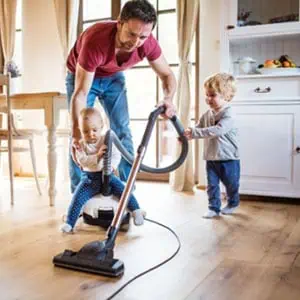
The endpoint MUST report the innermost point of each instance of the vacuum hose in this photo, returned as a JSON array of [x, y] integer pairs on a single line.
[[112, 138]]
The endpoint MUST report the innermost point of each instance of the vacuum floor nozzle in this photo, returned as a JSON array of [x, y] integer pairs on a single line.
[[92, 259]]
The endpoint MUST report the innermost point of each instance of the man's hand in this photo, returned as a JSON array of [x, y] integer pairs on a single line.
[[75, 147], [188, 133], [101, 151], [75, 144], [170, 109]]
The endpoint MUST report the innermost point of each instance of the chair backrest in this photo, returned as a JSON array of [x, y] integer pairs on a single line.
[[4, 79], [5, 82]]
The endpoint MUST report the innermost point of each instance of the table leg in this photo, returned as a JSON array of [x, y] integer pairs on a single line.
[[51, 121], [52, 163]]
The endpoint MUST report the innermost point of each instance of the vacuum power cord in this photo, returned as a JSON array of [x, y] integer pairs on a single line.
[[154, 267]]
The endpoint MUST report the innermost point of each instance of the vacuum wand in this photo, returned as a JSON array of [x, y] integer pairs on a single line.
[[116, 222]]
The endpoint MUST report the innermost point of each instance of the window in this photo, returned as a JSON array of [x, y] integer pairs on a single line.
[[93, 11], [143, 97]]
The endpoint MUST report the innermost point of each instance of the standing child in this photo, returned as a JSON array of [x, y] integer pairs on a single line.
[[217, 128], [89, 155]]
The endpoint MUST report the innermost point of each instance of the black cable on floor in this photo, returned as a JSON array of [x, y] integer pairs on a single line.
[[154, 267]]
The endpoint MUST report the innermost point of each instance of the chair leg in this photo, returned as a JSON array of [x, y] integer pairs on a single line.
[[11, 174], [0, 157], [32, 154]]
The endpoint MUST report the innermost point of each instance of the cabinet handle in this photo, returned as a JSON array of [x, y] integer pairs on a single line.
[[230, 27], [266, 90], [298, 149]]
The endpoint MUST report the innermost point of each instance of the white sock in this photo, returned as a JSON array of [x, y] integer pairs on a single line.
[[227, 210], [138, 217], [66, 228], [210, 214]]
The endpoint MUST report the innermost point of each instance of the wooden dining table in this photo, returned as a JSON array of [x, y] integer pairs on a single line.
[[51, 103]]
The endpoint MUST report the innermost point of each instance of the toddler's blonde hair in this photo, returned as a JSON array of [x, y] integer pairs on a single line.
[[87, 113], [223, 84]]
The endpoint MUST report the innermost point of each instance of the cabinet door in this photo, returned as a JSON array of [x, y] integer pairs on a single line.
[[257, 12], [269, 137]]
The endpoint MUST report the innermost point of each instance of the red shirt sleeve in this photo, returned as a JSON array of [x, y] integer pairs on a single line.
[[90, 56], [152, 48]]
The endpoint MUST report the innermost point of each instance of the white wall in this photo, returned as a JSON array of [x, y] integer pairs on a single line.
[[42, 69], [42, 56], [209, 55]]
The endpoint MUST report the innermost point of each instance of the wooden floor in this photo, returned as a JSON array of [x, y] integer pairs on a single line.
[[252, 255]]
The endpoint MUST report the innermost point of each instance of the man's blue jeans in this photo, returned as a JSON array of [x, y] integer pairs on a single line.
[[111, 92], [228, 172]]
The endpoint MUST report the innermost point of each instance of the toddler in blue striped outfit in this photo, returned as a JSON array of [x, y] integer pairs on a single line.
[[89, 156]]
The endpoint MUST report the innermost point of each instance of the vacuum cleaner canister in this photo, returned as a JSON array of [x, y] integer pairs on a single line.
[[100, 211], [104, 218]]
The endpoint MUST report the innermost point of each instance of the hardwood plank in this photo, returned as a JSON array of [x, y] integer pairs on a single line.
[[288, 287], [238, 280]]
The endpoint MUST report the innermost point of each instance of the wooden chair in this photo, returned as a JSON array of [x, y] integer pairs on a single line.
[[12, 133]]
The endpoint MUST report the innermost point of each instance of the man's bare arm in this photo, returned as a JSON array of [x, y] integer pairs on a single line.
[[166, 75], [83, 83]]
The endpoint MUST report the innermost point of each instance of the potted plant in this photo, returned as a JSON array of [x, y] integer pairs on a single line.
[[12, 67], [243, 17]]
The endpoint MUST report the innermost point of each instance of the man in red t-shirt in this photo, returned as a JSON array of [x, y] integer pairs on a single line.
[[95, 66]]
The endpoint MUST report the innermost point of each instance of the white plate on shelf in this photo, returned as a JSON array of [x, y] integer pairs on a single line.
[[278, 71]]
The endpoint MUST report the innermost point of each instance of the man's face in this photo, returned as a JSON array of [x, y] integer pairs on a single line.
[[132, 34]]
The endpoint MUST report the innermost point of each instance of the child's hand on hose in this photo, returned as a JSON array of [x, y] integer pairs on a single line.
[[101, 151], [188, 133]]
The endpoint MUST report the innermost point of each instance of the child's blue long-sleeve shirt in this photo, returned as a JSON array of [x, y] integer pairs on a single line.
[[220, 135]]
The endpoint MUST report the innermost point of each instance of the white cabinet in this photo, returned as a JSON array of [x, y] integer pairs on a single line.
[[270, 148], [267, 106]]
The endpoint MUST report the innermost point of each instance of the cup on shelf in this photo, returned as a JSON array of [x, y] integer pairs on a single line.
[[245, 66]]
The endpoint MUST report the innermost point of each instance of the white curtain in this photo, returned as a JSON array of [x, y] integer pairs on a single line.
[[187, 14], [8, 28], [66, 12], [1, 57]]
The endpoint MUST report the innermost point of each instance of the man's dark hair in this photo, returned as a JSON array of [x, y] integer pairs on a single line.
[[139, 9]]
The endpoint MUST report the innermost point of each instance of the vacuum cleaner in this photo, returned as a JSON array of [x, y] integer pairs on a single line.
[[98, 256]]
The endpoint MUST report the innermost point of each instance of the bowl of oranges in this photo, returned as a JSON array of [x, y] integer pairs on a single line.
[[283, 65]]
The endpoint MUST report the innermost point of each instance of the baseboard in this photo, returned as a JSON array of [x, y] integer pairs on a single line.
[[27, 175], [201, 187], [153, 177]]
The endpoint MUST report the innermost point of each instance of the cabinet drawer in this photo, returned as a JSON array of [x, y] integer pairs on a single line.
[[264, 88]]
